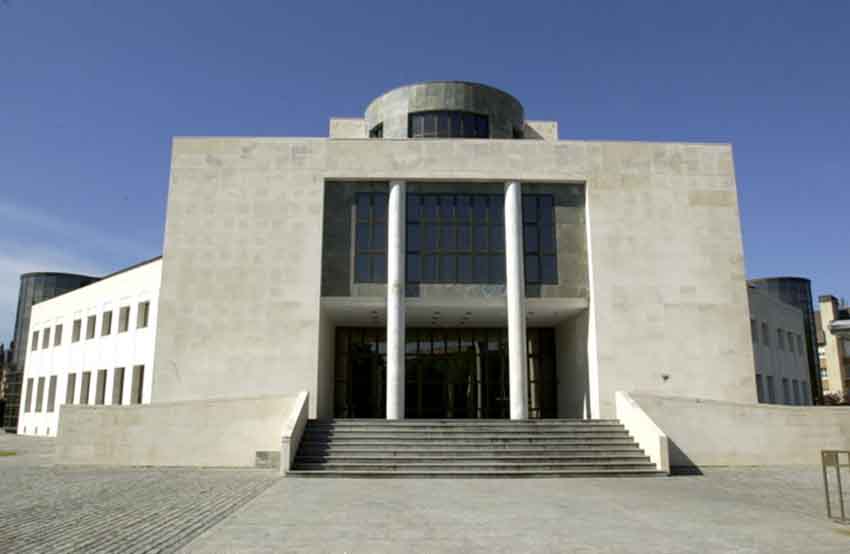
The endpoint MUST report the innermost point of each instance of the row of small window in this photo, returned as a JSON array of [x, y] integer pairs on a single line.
[[105, 326], [783, 337], [447, 124], [84, 397], [794, 392]]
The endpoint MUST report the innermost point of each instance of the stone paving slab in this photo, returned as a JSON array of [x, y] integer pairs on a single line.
[[50, 508], [726, 510]]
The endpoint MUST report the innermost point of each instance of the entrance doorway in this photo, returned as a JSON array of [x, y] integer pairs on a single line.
[[450, 373]]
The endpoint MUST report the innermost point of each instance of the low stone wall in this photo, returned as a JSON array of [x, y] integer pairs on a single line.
[[712, 433], [225, 433]]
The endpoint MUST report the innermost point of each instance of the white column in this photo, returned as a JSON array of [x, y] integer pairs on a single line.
[[395, 300], [515, 279]]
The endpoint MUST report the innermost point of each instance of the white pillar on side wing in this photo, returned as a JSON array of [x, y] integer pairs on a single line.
[[515, 280], [395, 300]]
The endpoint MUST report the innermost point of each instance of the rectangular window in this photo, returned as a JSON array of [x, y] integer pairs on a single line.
[[795, 385], [85, 386], [124, 319], [118, 386], [786, 393], [754, 331], [370, 237], [106, 324], [51, 394], [771, 390], [455, 238], [45, 338], [90, 325], [142, 316], [765, 335], [35, 340], [100, 392], [799, 345], [780, 341], [804, 393], [39, 395], [538, 220], [138, 384], [57, 335], [76, 330], [790, 342], [28, 403], [759, 387], [69, 389]]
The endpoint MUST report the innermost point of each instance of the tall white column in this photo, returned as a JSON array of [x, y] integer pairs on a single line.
[[395, 300], [515, 279]]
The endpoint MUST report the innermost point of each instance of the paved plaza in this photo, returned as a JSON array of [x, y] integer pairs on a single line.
[[52, 508]]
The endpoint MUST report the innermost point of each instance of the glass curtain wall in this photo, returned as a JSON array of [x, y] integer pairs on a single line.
[[450, 373]]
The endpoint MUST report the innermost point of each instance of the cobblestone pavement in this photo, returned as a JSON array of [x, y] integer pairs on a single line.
[[47, 508]]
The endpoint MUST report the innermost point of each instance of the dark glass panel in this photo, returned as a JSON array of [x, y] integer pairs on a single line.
[[447, 238], [414, 243], [430, 126], [529, 209], [363, 202], [413, 201], [497, 238], [429, 269], [468, 125], [443, 124], [481, 265], [483, 127], [481, 238], [362, 240], [544, 209], [455, 124], [379, 237], [532, 269], [379, 268], [430, 207], [497, 209], [462, 208], [431, 232], [413, 270], [446, 207], [548, 270], [448, 268], [480, 209], [464, 240], [496, 271], [530, 238], [547, 239], [361, 268], [464, 268], [379, 207]]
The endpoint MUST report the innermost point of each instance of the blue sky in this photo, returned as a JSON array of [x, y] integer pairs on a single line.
[[91, 93]]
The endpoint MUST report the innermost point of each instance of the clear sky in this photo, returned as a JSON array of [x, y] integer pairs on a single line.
[[91, 93]]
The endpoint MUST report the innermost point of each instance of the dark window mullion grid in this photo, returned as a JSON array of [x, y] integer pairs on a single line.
[[370, 237], [434, 218], [539, 241]]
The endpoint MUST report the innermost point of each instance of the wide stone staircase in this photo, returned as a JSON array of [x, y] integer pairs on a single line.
[[469, 448]]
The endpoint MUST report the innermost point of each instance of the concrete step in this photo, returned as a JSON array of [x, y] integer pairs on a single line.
[[461, 422], [636, 457], [469, 448], [489, 464], [476, 474], [428, 431], [553, 438], [629, 449]]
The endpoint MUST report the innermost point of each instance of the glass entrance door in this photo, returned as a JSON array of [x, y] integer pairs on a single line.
[[450, 373]]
